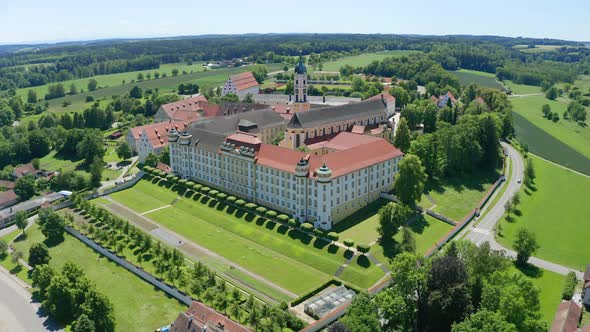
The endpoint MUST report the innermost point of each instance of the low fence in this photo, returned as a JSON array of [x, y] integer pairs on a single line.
[[118, 187], [441, 217], [132, 268]]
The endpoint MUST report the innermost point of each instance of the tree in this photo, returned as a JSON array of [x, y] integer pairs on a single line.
[[484, 321], [99, 309], [490, 141], [525, 245], [259, 72], [17, 255], [402, 136], [516, 199], [136, 92], [409, 181], [83, 324], [25, 187], [52, 225], [38, 255], [552, 93], [73, 89], [174, 72], [231, 98], [21, 220], [289, 87], [151, 160], [3, 248], [362, 314], [95, 170], [124, 151], [31, 96], [92, 85], [391, 217], [248, 99], [90, 146], [509, 207], [429, 119], [408, 241], [6, 117], [529, 172], [546, 109], [39, 143]]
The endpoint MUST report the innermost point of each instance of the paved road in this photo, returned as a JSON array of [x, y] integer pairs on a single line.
[[28, 205], [17, 312], [484, 231]]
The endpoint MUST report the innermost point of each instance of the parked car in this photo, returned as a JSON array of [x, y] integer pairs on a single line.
[[519, 180]]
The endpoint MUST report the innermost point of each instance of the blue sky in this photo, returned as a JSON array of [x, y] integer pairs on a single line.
[[59, 20]]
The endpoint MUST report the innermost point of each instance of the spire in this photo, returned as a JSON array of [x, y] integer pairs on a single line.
[[300, 67]]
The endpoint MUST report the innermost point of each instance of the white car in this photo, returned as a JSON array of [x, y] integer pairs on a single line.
[[519, 180]]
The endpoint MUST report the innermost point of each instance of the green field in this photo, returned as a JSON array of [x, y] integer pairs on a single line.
[[456, 197], [362, 225], [138, 305], [556, 211], [115, 79], [521, 89], [537, 48], [547, 146], [284, 256], [362, 59], [483, 79]]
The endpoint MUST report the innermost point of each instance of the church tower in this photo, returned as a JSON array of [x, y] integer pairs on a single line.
[[300, 103]]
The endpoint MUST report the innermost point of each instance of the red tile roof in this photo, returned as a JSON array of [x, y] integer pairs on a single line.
[[244, 81], [23, 170], [385, 96], [284, 110], [358, 129], [567, 317], [7, 184], [7, 197], [246, 139], [586, 328], [279, 158], [163, 167], [157, 133], [202, 316], [346, 140]]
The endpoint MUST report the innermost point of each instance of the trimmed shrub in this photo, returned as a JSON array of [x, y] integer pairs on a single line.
[[348, 242], [231, 199], [570, 286], [205, 189], [363, 248], [190, 184], [251, 206], [170, 177], [261, 210], [307, 227], [293, 223], [221, 196], [271, 214], [213, 192], [183, 182], [319, 232], [240, 202], [283, 218], [162, 174], [197, 187], [333, 236]]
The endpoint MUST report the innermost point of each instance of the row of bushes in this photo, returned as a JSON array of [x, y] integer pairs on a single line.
[[570, 286]]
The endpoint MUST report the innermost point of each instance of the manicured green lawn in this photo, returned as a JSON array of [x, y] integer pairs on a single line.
[[568, 132], [362, 272], [287, 257], [7, 262], [556, 211], [54, 162], [138, 306], [483, 79], [362, 59], [522, 89], [456, 197], [550, 285], [362, 225]]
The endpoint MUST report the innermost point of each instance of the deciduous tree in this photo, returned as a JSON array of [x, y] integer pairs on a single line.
[[525, 245], [409, 181], [402, 136]]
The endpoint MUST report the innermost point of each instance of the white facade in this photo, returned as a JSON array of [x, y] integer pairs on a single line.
[[230, 87]]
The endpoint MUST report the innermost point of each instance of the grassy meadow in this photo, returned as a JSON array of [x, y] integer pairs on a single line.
[[556, 210], [362, 59], [483, 79]]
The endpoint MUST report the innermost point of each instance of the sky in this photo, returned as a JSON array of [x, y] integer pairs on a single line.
[[26, 21]]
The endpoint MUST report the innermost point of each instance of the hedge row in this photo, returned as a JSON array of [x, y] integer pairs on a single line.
[[316, 291], [570, 286]]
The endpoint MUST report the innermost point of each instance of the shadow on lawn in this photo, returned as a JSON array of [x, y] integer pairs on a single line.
[[473, 181], [359, 216], [530, 270]]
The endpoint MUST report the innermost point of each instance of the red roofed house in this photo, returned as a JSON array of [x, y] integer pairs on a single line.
[[8, 198], [201, 318], [443, 100], [163, 167], [22, 170], [241, 85], [187, 110], [6, 185], [567, 317], [151, 138]]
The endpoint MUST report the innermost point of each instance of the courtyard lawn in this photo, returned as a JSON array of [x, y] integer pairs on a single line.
[[361, 267], [568, 132], [138, 305], [556, 210], [362, 225], [287, 257], [362, 59], [483, 79], [456, 197]]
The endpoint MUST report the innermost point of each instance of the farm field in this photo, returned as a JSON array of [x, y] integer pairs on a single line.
[[115, 79], [483, 79], [362, 59], [555, 210], [137, 305], [547, 146], [569, 132], [286, 257], [521, 89], [537, 48]]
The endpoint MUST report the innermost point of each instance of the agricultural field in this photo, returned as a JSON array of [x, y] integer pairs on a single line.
[[483, 79], [537, 48], [522, 89], [115, 79], [284, 256], [362, 59], [137, 305], [555, 209], [564, 142]]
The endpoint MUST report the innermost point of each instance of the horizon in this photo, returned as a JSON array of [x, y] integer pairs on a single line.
[[67, 22]]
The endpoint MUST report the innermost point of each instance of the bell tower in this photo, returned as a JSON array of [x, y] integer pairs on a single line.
[[300, 87]]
